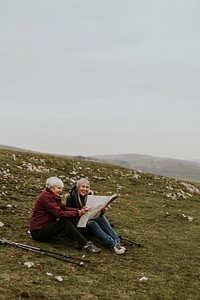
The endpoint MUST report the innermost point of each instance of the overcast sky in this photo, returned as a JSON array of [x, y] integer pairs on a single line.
[[85, 77]]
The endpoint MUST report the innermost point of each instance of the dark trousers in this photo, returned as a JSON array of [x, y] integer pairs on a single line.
[[63, 225]]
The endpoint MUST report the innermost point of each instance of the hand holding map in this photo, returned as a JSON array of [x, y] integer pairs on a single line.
[[94, 205]]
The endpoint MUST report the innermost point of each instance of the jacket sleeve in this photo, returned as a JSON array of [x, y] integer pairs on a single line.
[[58, 209]]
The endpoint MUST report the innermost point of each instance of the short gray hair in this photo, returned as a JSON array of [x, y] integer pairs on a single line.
[[54, 181]]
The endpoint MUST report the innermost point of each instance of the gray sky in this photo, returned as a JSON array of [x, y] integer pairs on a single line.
[[101, 77]]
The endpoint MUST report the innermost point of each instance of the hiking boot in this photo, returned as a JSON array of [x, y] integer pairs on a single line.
[[91, 248], [118, 249]]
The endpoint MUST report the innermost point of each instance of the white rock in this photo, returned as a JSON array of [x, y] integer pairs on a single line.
[[1, 224], [59, 278], [142, 279], [29, 264]]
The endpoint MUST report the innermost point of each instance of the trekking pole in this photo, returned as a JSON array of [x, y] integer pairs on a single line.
[[52, 254], [130, 242], [47, 251]]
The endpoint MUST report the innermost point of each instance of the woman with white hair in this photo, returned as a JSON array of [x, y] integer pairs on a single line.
[[100, 226], [50, 217]]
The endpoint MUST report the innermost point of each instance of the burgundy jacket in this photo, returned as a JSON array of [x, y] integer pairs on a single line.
[[48, 208]]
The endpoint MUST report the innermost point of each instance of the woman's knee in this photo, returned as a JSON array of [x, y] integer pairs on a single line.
[[92, 223]]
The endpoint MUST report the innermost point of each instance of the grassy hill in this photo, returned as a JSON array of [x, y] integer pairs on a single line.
[[174, 168], [159, 212]]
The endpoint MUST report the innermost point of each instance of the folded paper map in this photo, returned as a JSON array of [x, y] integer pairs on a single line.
[[95, 204]]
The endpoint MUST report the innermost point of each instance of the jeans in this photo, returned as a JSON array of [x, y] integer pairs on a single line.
[[101, 228]]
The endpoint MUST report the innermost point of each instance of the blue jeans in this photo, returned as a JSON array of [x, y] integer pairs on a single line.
[[102, 229]]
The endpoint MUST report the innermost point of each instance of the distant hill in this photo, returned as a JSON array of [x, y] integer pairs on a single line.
[[12, 148], [168, 167], [174, 168]]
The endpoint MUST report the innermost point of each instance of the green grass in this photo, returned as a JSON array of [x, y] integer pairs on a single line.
[[151, 210]]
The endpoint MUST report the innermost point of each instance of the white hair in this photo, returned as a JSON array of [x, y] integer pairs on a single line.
[[54, 181]]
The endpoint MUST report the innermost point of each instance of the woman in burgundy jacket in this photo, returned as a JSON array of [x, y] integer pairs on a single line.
[[50, 217]]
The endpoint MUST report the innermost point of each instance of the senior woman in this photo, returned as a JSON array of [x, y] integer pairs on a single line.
[[100, 226], [50, 217]]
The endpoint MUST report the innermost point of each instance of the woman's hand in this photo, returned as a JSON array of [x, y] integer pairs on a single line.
[[83, 210], [103, 210]]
